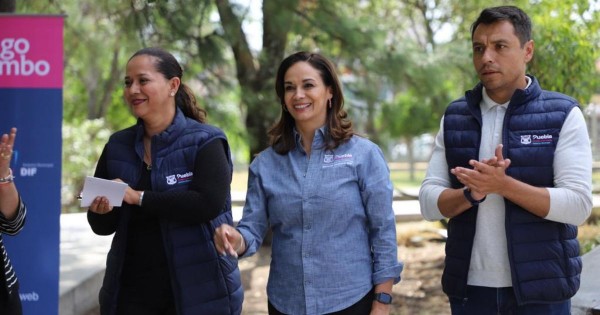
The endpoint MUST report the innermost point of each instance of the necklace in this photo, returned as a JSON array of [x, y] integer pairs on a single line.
[[147, 157], [148, 165]]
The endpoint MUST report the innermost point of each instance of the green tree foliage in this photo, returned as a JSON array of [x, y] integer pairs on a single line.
[[287, 25], [204, 47], [83, 144], [567, 47], [255, 74], [98, 35], [566, 36], [398, 71], [344, 32], [94, 43], [420, 71]]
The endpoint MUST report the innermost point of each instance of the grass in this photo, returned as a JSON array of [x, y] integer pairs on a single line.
[[402, 179]]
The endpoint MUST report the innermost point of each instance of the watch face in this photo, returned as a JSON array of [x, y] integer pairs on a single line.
[[383, 298]]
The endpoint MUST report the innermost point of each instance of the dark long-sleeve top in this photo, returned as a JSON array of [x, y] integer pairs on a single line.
[[203, 201], [145, 277]]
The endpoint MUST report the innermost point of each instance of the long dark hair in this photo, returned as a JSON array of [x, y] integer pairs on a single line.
[[339, 126], [168, 66]]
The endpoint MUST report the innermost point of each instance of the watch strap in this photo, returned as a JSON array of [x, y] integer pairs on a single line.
[[474, 202], [383, 298]]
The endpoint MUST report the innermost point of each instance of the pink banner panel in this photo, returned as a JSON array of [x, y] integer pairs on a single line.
[[31, 51]]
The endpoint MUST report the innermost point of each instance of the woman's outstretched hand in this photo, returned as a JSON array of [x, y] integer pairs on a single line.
[[229, 241]]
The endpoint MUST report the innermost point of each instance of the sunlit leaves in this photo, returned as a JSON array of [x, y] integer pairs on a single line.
[[567, 41]]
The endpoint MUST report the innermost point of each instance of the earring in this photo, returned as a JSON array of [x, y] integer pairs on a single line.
[[172, 93], [329, 103]]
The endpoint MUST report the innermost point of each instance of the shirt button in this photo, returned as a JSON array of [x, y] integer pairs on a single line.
[[306, 255], [307, 227]]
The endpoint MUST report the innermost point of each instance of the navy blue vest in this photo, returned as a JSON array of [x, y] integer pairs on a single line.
[[544, 255], [204, 282]]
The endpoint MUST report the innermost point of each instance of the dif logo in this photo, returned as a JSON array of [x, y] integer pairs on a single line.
[[13, 59], [28, 171]]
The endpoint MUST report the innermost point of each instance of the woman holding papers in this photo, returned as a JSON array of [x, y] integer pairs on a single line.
[[12, 219], [327, 196], [162, 259]]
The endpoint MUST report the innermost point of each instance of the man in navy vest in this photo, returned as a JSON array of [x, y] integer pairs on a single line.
[[511, 169]]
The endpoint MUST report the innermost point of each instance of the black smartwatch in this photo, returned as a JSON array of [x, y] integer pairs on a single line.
[[383, 298], [467, 193]]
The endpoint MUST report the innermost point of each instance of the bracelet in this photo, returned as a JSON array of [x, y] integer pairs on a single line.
[[141, 197], [8, 179]]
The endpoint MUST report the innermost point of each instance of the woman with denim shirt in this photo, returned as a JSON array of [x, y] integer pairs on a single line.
[[326, 195]]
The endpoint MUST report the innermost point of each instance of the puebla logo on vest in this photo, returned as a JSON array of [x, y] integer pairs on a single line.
[[536, 139], [331, 160], [179, 178], [525, 139]]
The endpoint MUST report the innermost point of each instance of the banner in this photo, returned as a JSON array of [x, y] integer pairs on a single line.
[[31, 81]]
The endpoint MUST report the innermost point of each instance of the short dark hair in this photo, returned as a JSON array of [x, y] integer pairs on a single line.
[[519, 19], [339, 126], [169, 67]]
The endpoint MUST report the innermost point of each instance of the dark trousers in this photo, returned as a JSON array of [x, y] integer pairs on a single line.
[[502, 301], [9, 304], [362, 307], [129, 304], [140, 309]]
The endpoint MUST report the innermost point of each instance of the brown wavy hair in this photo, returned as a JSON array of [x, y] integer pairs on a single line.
[[339, 126], [168, 66]]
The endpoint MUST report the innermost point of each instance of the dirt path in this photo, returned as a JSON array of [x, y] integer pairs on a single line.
[[420, 291]]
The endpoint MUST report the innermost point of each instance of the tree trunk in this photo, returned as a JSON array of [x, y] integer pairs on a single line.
[[8, 6], [260, 105], [256, 76], [110, 84]]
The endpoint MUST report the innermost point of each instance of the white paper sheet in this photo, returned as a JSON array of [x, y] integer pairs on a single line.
[[94, 187]]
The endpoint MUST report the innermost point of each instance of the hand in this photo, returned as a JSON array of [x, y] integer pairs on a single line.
[[100, 205], [229, 241], [486, 177], [7, 143], [132, 196], [380, 309], [493, 161]]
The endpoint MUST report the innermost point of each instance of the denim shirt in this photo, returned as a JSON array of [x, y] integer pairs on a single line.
[[334, 231]]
